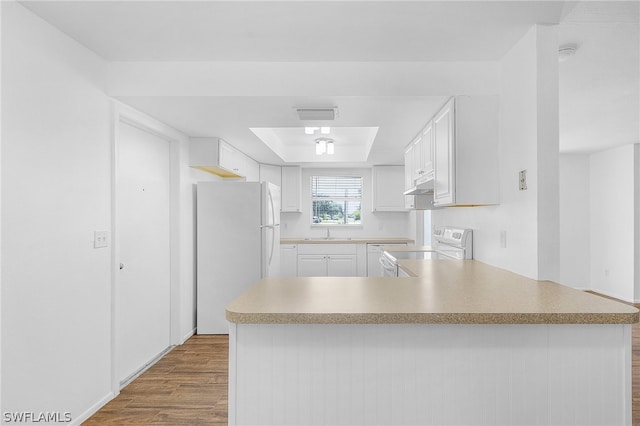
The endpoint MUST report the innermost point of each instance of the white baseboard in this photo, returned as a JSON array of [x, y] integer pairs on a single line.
[[92, 410], [188, 335]]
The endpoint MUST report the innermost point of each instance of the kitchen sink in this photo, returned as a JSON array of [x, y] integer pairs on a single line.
[[328, 239]]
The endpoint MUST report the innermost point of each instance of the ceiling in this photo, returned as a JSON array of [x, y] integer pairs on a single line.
[[385, 64]]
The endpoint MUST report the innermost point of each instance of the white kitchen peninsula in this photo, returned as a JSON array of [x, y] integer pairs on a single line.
[[458, 342]]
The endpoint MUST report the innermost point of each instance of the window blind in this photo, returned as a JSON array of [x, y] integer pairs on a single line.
[[336, 187]]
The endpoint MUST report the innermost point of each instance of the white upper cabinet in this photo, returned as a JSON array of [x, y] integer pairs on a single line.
[[388, 188], [291, 176], [445, 161], [214, 155], [229, 158], [465, 136], [426, 154], [252, 170], [418, 167], [408, 168], [270, 173]]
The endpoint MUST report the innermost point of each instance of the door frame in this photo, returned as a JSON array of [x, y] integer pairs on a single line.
[[123, 114]]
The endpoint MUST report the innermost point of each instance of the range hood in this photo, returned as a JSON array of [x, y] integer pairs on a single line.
[[421, 188]]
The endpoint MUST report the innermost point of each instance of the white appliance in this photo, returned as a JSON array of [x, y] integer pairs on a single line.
[[238, 242], [448, 243], [374, 269]]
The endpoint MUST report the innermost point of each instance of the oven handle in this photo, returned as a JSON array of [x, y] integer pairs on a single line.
[[386, 264]]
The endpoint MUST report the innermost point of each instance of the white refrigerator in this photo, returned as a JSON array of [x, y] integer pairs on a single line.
[[238, 242]]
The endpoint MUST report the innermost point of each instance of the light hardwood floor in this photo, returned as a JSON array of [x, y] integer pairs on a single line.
[[189, 387]]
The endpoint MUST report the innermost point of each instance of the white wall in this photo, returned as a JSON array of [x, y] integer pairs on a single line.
[[575, 216], [56, 182], [613, 187], [379, 224], [56, 310], [528, 101]]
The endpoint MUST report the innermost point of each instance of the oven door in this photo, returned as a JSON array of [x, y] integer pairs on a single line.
[[389, 267]]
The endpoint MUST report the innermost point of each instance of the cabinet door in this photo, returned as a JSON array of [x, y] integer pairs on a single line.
[[227, 157], [342, 265], [312, 265], [252, 170], [408, 168], [418, 170], [288, 260], [269, 173], [388, 183], [291, 176], [443, 130], [427, 150]]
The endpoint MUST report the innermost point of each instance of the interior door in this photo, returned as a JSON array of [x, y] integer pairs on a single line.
[[143, 235]]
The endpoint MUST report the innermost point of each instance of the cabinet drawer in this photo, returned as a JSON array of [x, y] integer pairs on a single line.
[[326, 249]]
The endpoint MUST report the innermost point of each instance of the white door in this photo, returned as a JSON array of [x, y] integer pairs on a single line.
[[143, 282]]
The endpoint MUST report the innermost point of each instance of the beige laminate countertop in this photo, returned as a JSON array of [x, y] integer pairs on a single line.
[[341, 240], [442, 292]]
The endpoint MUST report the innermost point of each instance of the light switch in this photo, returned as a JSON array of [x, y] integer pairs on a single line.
[[100, 239]]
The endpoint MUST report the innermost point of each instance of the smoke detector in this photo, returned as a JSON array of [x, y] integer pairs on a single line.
[[567, 51]]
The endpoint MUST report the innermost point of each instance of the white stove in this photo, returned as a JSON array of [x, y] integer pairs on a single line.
[[448, 243]]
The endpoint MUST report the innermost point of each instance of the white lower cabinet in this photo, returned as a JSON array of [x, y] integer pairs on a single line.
[[327, 260], [288, 260], [331, 265], [342, 265], [312, 265]]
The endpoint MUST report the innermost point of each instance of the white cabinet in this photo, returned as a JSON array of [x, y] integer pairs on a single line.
[[331, 265], [229, 158], [426, 154], [214, 155], [288, 260], [408, 168], [443, 190], [341, 265], [312, 265], [388, 186], [466, 152], [291, 176], [252, 170], [270, 173], [327, 260], [418, 158]]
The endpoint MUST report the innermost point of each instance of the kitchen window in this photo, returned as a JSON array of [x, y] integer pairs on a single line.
[[336, 200]]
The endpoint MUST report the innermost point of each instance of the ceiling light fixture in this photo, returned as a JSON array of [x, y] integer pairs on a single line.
[[329, 113], [324, 145]]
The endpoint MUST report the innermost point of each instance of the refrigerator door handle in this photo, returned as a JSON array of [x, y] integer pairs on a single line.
[[268, 226], [273, 245], [273, 208]]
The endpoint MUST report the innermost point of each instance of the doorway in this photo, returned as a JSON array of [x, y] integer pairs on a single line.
[[143, 254]]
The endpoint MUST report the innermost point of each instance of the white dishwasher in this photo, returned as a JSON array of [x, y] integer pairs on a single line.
[[374, 268]]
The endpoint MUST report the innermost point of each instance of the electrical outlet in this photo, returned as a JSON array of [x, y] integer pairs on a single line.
[[523, 180], [100, 239]]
